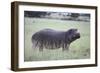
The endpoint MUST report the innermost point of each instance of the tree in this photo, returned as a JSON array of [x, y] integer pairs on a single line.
[[74, 15], [34, 13]]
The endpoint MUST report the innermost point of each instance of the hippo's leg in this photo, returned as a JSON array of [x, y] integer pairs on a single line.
[[65, 47], [41, 47]]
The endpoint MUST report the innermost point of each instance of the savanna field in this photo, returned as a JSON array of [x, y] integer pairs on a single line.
[[79, 49]]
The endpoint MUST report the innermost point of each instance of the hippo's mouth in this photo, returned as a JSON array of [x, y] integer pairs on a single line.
[[77, 34]]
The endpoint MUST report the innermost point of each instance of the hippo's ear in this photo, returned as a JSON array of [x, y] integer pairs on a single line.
[[71, 31]]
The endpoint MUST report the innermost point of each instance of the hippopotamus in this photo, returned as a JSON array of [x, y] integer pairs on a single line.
[[54, 39]]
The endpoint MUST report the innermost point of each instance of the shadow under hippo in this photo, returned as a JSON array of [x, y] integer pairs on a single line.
[[52, 39]]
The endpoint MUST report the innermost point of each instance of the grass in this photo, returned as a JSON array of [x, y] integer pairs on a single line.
[[79, 49]]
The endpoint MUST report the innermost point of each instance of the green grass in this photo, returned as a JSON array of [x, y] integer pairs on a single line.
[[79, 49]]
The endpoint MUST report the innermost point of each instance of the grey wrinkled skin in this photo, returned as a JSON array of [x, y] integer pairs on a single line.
[[52, 39]]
